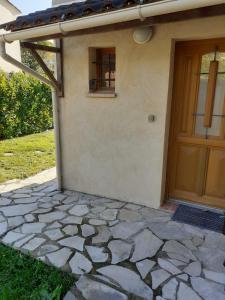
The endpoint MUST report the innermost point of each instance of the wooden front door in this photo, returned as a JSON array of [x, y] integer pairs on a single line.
[[196, 159]]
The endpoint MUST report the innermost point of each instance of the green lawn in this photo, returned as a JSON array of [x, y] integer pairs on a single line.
[[25, 156], [23, 278]]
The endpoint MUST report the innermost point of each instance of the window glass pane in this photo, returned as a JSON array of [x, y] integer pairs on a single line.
[[206, 62]]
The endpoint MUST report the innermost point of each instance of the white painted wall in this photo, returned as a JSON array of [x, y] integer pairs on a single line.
[[7, 14], [108, 146]]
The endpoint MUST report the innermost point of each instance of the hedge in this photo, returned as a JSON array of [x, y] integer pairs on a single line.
[[25, 105]]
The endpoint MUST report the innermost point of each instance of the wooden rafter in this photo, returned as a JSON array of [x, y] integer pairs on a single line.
[[58, 81], [39, 47]]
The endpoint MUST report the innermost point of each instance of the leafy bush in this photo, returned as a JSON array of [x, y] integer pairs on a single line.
[[25, 105]]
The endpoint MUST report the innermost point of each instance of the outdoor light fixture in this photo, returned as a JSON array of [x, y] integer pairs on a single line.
[[142, 35]]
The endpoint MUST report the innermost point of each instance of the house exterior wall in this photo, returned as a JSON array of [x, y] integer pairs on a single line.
[[108, 146], [6, 15]]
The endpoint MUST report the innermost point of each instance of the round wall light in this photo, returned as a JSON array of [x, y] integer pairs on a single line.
[[142, 35]]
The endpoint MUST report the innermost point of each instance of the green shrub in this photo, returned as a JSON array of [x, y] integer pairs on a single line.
[[25, 105]]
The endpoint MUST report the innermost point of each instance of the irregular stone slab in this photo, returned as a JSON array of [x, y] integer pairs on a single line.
[[97, 222], [87, 230], [97, 254], [12, 237], [109, 214], [98, 209], [169, 231], [184, 277], [60, 257], [179, 257], [166, 265], [59, 197], [133, 206], [54, 225], [103, 235], [125, 230], [26, 200], [208, 290], [214, 240], [80, 264], [15, 221], [169, 290], [70, 230], [42, 211], [129, 215], [64, 207], [94, 290], [32, 227], [194, 231], [18, 210], [158, 277], [54, 234], [176, 247], [146, 245], [29, 218], [2, 219], [47, 249], [211, 259], [197, 241], [189, 244], [176, 262], [115, 204], [128, 280], [145, 266], [4, 201], [20, 243], [120, 250], [3, 228], [51, 217], [79, 210], [18, 196], [186, 293], [70, 296], [72, 220], [193, 269], [214, 276], [34, 244], [112, 223], [74, 242]]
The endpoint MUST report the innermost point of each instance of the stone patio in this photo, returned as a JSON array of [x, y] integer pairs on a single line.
[[116, 250]]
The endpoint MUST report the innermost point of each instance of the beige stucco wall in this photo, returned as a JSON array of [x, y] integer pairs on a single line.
[[8, 14], [108, 146]]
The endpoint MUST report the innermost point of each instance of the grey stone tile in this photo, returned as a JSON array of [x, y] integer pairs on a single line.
[[125, 230], [169, 290], [54, 234], [158, 277], [70, 230], [97, 254], [128, 280], [60, 257], [94, 290], [186, 293], [79, 210], [145, 266], [193, 269], [18, 210], [80, 264], [33, 244], [146, 245], [87, 230], [109, 214], [74, 242], [51, 217], [32, 227], [168, 266], [120, 250]]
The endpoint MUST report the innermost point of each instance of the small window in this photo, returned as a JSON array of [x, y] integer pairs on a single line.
[[102, 70]]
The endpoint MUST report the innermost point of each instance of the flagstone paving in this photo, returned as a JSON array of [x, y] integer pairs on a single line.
[[116, 250]]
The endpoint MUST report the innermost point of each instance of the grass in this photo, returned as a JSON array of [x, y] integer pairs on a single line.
[[25, 156], [22, 278]]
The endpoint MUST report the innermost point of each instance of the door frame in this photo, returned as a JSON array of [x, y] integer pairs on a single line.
[[169, 119]]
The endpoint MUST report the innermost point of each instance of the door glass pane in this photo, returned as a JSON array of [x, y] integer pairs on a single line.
[[217, 116]]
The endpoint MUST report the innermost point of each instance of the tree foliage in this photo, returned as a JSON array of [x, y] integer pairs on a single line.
[[25, 105]]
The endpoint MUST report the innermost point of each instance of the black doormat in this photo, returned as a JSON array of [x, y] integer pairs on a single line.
[[199, 217]]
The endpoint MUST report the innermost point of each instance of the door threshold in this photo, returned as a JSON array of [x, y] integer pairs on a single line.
[[176, 202]]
